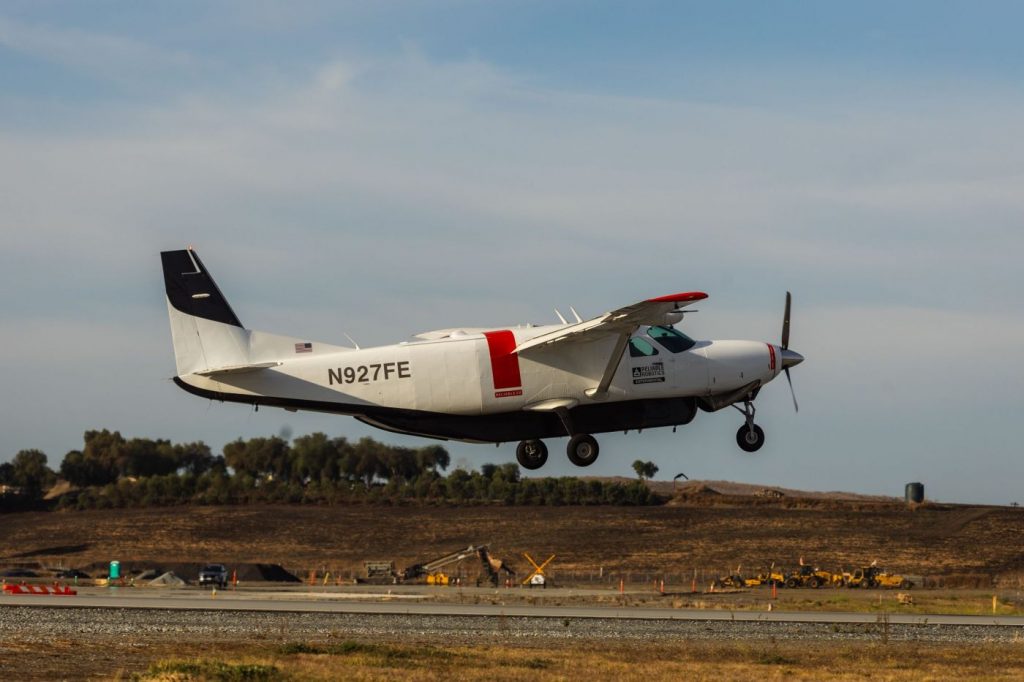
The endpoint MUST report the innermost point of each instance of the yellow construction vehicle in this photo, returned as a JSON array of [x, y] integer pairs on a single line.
[[872, 576], [809, 576], [889, 581], [430, 572], [771, 576], [734, 580], [858, 578]]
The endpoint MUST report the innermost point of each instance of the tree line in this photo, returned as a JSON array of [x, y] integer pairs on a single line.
[[111, 471]]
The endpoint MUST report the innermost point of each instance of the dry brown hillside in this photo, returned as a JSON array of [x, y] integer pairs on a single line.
[[702, 530]]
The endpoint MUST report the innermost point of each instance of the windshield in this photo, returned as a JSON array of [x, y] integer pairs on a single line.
[[671, 338]]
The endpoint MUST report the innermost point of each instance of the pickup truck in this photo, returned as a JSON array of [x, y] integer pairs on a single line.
[[214, 574]]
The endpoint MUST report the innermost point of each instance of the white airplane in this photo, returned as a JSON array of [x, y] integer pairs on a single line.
[[627, 369]]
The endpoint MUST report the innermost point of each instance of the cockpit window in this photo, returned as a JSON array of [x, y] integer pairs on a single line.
[[640, 348], [671, 338]]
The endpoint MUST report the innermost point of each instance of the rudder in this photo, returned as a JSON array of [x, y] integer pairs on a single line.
[[205, 331]]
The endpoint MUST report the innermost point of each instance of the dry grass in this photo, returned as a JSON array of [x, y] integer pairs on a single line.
[[616, 662], [977, 542]]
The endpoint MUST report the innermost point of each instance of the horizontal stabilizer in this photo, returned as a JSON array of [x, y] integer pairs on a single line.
[[238, 369]]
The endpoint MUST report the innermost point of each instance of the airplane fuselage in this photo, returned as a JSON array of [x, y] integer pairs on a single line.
[[434, 386]]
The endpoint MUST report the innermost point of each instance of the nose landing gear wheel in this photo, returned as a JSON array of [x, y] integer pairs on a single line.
[[582, 450], [750, 438], [532, 454]]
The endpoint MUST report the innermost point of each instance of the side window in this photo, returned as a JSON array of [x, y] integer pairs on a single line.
[[639, 348], [671, 338]]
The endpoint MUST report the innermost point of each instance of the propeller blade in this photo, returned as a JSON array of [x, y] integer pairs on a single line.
[[791, 391], [785, 322]]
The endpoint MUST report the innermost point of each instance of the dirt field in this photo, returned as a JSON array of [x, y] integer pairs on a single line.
[[975, 545]]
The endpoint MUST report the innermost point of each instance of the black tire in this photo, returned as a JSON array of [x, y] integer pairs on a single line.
[[750, 441], [792, 583], [532, 454], [815, 582], [582, 450]]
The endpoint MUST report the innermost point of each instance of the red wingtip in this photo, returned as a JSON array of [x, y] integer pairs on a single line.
[[680, 298]]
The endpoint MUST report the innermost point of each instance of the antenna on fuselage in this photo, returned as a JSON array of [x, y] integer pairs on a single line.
[[351, 339], [575, 314], [561, 317]]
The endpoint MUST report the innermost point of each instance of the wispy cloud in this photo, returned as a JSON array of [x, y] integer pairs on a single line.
[[99, 55]]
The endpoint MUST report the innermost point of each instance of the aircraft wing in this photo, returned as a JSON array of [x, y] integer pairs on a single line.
[[620, 323], [653, 311]]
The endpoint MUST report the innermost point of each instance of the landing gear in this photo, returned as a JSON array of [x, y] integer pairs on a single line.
[[532, 454], [750, 437], [583, 450]]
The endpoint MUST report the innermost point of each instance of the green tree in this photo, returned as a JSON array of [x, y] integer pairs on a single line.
[[433, 457], [369, 458], [645, 470], [260, 457], [196, 458], [315, 457], [30, 473], [6, 474]]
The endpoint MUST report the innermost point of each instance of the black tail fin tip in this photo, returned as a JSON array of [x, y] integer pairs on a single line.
[[191, 289]]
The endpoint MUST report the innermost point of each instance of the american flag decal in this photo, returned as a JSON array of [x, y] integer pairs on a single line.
[[304, 347]]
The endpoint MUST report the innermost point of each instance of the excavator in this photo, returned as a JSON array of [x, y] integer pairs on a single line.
[[431, 573]]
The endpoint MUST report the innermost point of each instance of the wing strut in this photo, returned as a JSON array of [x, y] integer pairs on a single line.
[[613, 364]]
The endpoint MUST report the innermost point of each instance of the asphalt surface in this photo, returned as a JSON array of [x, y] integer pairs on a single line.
[[363, 603]]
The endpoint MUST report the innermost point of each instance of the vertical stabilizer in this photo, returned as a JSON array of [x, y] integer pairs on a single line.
[[204, 329]]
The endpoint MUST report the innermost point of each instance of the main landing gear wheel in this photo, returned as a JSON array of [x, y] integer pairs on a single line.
[[582, 450], [750, 438], [532, 454]]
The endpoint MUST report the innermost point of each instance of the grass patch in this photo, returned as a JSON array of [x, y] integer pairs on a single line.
[[775, 658], [381, 655], [537, 663], [606, 661], [211, 671]]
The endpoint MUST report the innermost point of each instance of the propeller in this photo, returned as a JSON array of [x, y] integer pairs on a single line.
[[789, 358]]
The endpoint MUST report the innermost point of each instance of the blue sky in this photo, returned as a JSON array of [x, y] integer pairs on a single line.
[[385, 168]]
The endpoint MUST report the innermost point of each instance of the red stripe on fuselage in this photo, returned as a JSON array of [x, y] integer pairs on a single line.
[[771, 356], [504, 363]]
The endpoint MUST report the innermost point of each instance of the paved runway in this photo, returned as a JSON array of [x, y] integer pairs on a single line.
[[359, 604]]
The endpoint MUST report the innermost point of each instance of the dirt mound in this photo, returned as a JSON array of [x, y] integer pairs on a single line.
[[189, 571], [274, 573], [167, 580], [698, 488]]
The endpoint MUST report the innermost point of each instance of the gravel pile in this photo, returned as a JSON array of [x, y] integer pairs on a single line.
[[35, 624]]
